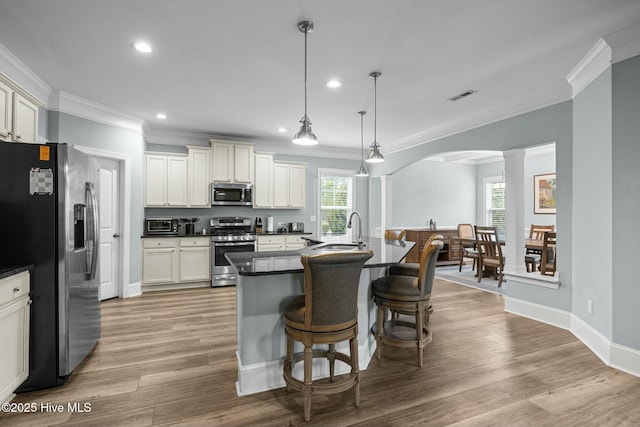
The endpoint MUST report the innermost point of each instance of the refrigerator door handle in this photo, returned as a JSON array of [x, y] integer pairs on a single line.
[[93, 238]]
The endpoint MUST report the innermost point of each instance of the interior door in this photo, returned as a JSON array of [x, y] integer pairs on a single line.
[[109, 228]]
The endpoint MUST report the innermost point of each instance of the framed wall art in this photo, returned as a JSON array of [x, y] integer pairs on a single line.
[[544, 194]]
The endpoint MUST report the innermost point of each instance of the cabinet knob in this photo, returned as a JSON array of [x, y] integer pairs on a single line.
[[18, 137], [116, 235], [16, 289]]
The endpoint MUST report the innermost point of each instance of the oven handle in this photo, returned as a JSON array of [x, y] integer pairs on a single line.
[[246, 243]]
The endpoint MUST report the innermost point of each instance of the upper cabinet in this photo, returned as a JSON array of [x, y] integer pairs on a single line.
[[174, 180], [263, 187], [288, 185], [231, 162], [18, 114]]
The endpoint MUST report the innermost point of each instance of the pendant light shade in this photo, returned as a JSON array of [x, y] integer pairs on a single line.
[[362, 171], [305, 135], [375, 156]]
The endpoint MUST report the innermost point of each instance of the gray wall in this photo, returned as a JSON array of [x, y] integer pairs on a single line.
[[445, 192], [626, 201], [77, 131], [592, 203]]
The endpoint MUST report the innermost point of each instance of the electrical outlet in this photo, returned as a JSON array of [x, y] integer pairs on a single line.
[[313, 218], [590, 306]]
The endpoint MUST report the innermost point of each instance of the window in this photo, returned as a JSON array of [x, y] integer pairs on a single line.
[[337, 195], [494, 204]]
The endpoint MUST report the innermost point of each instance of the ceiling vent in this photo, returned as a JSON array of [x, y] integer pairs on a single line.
[[463, 95]]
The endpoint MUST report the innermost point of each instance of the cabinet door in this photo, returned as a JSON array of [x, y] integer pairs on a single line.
[[160, 266], [243, 163], [199, 185], [14, 336], [155, 180], [176, 181], [281, 185], [194, 264], [222, 162], [297, 186], [25, 119], [6, 109], [263, 187]]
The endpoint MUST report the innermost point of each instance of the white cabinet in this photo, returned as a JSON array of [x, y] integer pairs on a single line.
[[14, 333], [288, 185], [18, 114], [263, 187], [199, 188], [173, 180], [165, 180], [231, 162], [279, 242], [160, 261], [195, 259], [175, 260], [271, 243]]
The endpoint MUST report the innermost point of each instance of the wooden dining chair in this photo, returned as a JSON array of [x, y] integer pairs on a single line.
[[548, 257], [532, 256], [465, 231], [489, 252], [394, 234]]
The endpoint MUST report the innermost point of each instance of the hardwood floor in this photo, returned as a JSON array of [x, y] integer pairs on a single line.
[[168, 358]]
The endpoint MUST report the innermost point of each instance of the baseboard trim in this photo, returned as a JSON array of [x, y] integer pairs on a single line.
[[133, 290], [264, 376], [617, 356]]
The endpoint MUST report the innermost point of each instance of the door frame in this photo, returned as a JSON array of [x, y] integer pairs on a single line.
[[124, 212]]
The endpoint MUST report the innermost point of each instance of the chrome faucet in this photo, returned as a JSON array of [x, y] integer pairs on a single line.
[[360, 244]]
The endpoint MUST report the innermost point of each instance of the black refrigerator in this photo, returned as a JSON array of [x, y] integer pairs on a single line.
[[49, 218]]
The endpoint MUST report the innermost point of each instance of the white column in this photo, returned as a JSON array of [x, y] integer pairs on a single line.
[[514, 182], [386, 200]]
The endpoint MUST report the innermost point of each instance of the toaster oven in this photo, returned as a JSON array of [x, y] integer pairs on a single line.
[[161, 226]]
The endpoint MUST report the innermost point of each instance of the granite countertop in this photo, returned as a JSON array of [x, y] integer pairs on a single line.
[[385, 252], [276, 233], [10, 270], [156, 236]]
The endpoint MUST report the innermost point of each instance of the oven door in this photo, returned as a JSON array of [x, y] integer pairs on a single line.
[[222, 274]]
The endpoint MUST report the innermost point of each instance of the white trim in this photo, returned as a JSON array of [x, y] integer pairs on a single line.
[[133, 290], [594, 63], [615, 355], [124, 291], [593, 339], [624, 43], [15, 70], [541, 313], [71, 104], [265, 376], [535, 279]]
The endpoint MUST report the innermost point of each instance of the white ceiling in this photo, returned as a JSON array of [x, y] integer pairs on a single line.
[[235, 67]]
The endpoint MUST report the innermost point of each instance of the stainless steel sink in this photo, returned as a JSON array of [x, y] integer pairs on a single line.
[[337, 247]]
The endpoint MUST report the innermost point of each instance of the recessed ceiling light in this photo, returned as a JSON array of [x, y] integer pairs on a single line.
[[281, 129], [143, 47], [161, 116], [333, 84]]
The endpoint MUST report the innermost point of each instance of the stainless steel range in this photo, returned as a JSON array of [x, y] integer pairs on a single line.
[[228, 234]]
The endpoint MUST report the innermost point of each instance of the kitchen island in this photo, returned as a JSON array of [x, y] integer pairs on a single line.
[[268, 281]]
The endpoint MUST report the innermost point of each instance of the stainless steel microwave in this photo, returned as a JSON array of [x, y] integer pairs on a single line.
[[224, 193]]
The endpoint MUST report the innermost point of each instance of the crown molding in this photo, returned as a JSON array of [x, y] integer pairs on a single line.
[[71, 104], [553, 94], [23, 77], [624, 43], [594, 63]]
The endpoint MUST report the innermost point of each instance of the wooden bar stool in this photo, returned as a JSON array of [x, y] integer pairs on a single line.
[[326, 314]]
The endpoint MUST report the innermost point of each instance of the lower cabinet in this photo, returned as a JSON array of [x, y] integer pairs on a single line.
[[14, 333], [281, 242], [175, 261]]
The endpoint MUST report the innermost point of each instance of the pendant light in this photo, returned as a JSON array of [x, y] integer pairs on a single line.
[[362, 171], [375, 156], [305, 136]]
